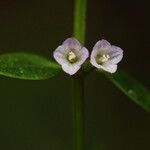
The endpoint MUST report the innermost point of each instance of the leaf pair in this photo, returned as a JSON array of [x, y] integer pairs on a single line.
[[34, 67]]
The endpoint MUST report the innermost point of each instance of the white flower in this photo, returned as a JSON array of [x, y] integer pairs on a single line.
[[106, 56], [71, 55]]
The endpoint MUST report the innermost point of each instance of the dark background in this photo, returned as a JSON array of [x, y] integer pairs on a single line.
[[37, 115]]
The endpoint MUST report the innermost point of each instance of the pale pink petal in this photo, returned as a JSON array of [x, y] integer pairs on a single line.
[[93, 61], [115, 53], [60, 55], [84, 56], [110, 68], [102, 47], [72, 43], [102, 43], [70, 69], [62, 52]]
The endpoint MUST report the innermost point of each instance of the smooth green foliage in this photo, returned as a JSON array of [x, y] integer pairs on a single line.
[[132, 88], [27, 66]]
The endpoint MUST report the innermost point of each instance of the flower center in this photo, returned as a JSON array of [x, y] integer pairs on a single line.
[[102, 59], [72, 57]]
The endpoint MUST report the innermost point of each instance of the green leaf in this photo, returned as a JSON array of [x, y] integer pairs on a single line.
[[132, 88], [27, 66]]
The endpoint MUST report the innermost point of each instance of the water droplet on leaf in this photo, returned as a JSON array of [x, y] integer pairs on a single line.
[[131, 92], [21, 70]]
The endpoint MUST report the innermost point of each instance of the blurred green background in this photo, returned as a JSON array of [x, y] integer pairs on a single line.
[[37, 115]]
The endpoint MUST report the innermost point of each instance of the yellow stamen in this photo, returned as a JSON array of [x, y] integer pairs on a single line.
[[71, 56], [104, 58]]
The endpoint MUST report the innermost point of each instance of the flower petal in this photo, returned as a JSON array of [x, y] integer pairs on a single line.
[[116, 55], [93, 60], [110, 68], [72, 43], [107, 67], [112, 55], [60, 55], [102, 47], [70, 69], [102, 43], [84, 56], [71, 48]]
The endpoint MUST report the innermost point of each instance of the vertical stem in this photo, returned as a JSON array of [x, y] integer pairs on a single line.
[[78, 111], [80, 20], [78, 82]]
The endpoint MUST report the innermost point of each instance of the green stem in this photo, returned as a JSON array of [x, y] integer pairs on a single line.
[[80, 20], [78, 111], [78, 82]]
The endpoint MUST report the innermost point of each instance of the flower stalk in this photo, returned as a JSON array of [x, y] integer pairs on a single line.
[[78, 113], [80, 20], [78, 81]]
